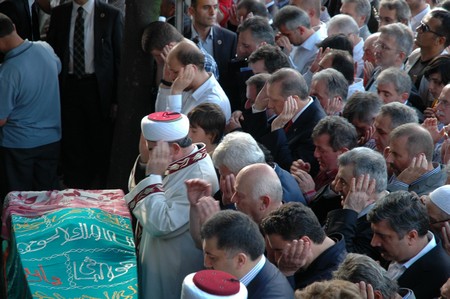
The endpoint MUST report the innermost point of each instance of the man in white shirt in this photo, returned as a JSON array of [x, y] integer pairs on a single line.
[[360, 11], [400, 231], [295, 29], [186, 83]]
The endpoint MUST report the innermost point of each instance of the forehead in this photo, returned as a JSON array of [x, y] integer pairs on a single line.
[[346, 172], [201, 3], [383, 122], [386, 86], [273, 89], [445, 93], [398, 144], [384, 11], [382, 227], [386, 38]]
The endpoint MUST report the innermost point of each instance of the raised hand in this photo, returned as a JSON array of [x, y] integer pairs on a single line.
[[289, 110], [196, 189], [300, 165], [304, 181], [361, 193], [294, 256], [184, 79], [418, 167], [160, 158], [227, 188]]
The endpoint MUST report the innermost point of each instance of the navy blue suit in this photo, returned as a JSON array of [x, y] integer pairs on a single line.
[[270, 283]]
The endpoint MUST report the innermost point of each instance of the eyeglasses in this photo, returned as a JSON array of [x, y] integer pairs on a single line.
[[382, 46], [444, 103], [425, 28]]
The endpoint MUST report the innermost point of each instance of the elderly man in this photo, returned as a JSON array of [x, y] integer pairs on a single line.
[[400, 232], [438, 208], [186, 83], [238, 150], [392, 48], [294, 231], [288, 136], [160, 204], [409, 156], [361, 180], [390, 117], [361, 110], [330, 87], [360, 11], [233, 243], [295, 29]]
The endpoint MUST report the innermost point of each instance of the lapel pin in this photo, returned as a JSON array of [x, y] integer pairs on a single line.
[[102, 15], [219, 42]]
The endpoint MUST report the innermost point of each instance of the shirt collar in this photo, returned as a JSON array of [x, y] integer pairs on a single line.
[[87, 7], [195, 33], [254, 271]]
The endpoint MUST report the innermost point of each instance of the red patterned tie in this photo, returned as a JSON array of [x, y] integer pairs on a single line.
[[288, 125]]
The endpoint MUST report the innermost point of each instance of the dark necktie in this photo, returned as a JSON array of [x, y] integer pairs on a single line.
[[78, 45]]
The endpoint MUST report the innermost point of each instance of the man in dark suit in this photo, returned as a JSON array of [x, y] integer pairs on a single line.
[[233, 243], [219, 42], [400, 232], [88, 83], [24, 16], [288, 136]]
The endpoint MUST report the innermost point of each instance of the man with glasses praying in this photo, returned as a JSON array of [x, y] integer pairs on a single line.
[[432, 37], [392, 48]]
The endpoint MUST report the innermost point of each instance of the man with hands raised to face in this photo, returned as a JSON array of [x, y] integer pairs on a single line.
[[409, 155], [186, 83], [361, 180], [160, 204], [302, 250], [288, 135]]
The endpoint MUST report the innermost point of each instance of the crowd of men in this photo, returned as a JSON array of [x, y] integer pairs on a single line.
[[291, 143]]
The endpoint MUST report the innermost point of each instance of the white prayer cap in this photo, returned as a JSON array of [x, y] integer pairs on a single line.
[[212, 284], [441, 198], [165, 126]]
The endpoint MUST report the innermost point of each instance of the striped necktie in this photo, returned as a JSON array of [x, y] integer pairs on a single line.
[[78, 45]]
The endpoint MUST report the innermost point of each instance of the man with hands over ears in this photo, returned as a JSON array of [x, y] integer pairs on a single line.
[[160, 204], [288, 135]]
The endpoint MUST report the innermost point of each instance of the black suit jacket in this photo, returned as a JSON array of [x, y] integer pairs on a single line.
[[270, 283], [426, 276], [108, 26], [19, 12], [288, 146]]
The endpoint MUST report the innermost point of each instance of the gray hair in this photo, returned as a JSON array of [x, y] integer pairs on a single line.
[[334, 80], [260, 29], [258, 80], [343, 24], [292, 83], [362, 8], [401, 80], [401, 9], [342, 133], [237, 150], [403, 211], [359, 267], [366, 161], [291, 17], [363, 106], [399, 114], [419, 140], [402, 34]]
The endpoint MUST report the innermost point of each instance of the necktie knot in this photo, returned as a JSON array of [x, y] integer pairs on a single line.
[[80, 11]]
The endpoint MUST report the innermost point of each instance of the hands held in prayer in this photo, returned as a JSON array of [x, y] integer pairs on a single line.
[[418, 167], [227, 187], [235, 121], [431, 124], [361, 193], [445, 231], [184, 79], [300, 172], [196, 189], [289, 110], [199, 195], [366, 290], [159, 158], [294, 256], [284, 43], [262, 99]]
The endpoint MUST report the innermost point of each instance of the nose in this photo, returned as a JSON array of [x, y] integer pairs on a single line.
[[206, 261], [316, 153], [337, 185], [374, 242]]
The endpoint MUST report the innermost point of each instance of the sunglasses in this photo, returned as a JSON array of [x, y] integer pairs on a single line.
[[425, 28]]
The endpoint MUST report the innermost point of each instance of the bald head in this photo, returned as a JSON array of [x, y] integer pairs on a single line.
[[258, 191], [186, 52]]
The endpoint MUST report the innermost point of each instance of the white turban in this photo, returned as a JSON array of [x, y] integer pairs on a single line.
[[212, 284], [441, 198], [165, 126]]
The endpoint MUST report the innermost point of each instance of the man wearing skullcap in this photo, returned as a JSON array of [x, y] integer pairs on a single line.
[[159, 202], [438, 208]]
